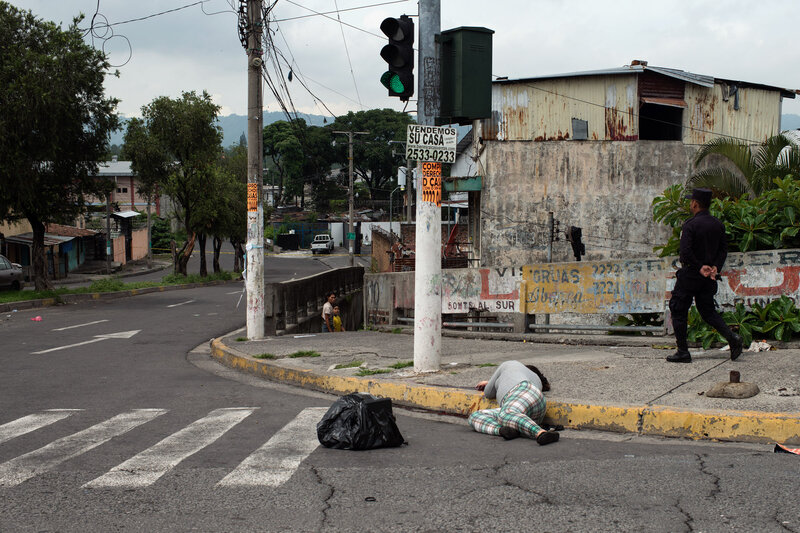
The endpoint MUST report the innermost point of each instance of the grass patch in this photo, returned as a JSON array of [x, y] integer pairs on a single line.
[[482, 365], [351, 364], [397, 330], [368, 372], [402, 364], [265, 356], [304, 353], [241, 339], [113, 285]]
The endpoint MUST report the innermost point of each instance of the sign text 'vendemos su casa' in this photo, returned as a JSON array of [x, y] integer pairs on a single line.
[[431, 143]]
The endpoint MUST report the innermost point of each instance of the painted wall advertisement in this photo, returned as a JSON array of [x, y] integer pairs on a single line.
[[485, 289], [622, 286]]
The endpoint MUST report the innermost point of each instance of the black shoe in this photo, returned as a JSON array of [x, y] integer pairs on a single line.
[[546, 437], [736, 346], [509, 433], [680, 357]]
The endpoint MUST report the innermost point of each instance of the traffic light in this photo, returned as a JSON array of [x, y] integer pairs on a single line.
[[574, 237], [399, 54]]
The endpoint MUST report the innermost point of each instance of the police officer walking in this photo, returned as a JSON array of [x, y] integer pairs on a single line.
[[703, 250]]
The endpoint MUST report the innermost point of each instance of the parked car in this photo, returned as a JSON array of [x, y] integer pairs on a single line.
[[11, 275], [322, 244]]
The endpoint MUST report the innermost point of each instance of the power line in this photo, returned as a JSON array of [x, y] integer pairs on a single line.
[[340, 10], [347, 52], [338, 21]]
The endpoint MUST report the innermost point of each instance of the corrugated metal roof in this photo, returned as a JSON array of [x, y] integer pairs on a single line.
[[115, 168], [689, 77], [49, 239], [126, 214]]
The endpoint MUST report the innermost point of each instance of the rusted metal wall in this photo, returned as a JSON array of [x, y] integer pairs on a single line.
[[606, 188], [542, 110], [709, 116]]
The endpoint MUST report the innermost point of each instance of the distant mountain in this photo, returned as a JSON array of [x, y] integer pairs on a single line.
[[790, 122], [233, 126]]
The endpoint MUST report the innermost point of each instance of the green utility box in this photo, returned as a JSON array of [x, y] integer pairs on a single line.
[[466, 74]]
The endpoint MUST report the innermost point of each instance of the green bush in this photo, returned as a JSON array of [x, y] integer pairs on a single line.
[[778, 320], [770, 221]]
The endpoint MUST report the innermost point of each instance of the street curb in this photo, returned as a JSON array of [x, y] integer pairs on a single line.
[[738, 426], [95, 296]]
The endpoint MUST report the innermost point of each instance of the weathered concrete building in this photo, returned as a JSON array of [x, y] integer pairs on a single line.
[[594, 148]]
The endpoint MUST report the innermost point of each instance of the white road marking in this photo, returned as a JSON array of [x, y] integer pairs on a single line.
[[26, 466], [277, 460], [145, 468], [234, 292], [97, 338], [81, 325], [29, 423], [182, 303]]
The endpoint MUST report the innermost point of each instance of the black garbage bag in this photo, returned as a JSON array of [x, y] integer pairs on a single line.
[[359, 421]]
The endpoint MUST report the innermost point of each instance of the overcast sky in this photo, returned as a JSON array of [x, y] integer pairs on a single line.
[[188, 49]]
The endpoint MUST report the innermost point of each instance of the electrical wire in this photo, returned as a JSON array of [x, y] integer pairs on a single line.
[[340, 10], [340, 22], [347, 51]]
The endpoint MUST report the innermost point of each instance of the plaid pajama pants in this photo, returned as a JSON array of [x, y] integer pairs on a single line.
[[521, 407]]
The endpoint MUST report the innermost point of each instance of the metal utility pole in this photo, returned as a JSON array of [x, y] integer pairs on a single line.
[[350, 228], [428, 269], [108, 234], [254, 281]]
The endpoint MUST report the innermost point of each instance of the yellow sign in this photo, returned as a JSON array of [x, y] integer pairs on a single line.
[[617, 286], [252, 196], [432, 183]]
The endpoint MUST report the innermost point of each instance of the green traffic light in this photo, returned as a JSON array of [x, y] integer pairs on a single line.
[[392, 81]]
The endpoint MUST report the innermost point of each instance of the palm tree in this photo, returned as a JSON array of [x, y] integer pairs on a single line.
[[756, 169]]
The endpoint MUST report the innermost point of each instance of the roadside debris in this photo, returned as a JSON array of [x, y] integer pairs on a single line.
[[760, 346], [733, 388], [780, 448], [37, 319]]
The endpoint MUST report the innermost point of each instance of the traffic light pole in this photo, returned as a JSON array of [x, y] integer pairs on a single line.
[[254, 281], [428, 268]]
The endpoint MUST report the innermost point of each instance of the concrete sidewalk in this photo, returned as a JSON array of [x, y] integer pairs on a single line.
[[602, 382]]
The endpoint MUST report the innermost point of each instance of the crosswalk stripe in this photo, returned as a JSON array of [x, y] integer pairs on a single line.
[[29, 423], [145, 468], [26, 466], [276, 461]]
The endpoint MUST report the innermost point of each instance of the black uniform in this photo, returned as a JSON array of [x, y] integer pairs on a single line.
[[703, 242]]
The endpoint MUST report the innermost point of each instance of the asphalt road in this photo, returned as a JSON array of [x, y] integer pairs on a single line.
[[103, 429]]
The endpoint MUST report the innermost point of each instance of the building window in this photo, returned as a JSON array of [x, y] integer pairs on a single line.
[[580, 129], [122, 189], [660, 122]]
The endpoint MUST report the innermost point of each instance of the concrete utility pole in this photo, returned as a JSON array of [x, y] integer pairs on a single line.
[[254, 282], [351, 229], [428, 269], [410, 184]]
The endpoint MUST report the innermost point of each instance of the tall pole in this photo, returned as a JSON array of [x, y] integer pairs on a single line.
[[428, 267], [550, 235], [409, 190], [108, 234], [254, 282], [350, 229]]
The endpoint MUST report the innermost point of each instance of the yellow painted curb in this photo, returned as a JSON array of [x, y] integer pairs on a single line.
[[656, 421], [741, 426], [446, 399], [602, 417]]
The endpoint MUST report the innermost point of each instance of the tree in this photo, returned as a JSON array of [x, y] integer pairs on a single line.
[[373, 159], [753, 171], [151, 164], [282, 146], [54, 124], [183, 135], [234, 225]]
